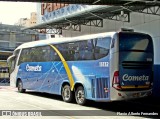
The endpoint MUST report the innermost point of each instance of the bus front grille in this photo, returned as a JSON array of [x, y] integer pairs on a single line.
[[136, 64], [100, 87]]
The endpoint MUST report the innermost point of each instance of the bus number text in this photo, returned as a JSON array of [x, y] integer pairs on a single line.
[[103, 64]]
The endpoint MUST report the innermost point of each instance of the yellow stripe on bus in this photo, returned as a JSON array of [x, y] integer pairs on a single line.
[[70, 77], [126, 87]]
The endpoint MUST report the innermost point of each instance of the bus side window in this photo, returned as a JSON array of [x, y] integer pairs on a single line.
[[102, 47], [76, 55], [24, 56], [55, 56], [85, 51], [46, 52], [51, 54], [38, 54]]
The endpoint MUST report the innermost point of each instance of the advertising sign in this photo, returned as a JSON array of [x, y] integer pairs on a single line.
[[51, 11]]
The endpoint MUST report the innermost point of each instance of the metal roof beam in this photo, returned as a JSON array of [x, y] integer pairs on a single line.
[[96, 23], [123, 18], [73, 27], [155, 10], [95, 2], [70, 21], [96, 15]]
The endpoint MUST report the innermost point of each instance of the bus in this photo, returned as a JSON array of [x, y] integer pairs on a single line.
[[4, 69], [104, 67], [4, 76]]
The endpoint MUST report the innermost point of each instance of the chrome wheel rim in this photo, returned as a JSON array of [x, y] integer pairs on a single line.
[[66, 94], [80, 96]]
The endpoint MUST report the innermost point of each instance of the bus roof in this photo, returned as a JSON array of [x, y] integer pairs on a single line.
[[64, 40]]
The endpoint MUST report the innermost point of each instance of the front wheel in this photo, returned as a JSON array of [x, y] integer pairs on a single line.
[[20, 87], [80, 96], [67, 94]]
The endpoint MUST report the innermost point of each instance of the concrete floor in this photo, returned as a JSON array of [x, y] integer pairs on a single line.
[[52, 106]]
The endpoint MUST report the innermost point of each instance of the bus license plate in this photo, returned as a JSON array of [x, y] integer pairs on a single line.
[[136, 94]]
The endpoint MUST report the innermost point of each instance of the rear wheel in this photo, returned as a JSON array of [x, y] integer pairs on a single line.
[[67, 94], [80, 96], [20, 87]]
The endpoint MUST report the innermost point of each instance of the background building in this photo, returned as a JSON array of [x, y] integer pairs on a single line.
[[11, 37], [28, 22]]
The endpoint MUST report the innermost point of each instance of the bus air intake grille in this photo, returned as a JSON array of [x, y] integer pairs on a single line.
[[99, 88], [136, 64]]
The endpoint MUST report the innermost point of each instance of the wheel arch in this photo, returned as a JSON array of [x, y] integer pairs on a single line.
[[80, 84], [19, 79]]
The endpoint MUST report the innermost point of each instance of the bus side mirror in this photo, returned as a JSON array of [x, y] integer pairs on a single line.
[[10, 62], [10, 59]]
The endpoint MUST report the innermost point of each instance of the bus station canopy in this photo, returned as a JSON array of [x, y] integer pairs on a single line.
[[95, 16], [90, 17]]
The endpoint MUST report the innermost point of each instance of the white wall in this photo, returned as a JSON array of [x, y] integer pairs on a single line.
[[139, 22]]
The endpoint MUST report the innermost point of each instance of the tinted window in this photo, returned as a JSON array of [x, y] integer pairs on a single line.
[[85, 50], [102, 47], [135, 42], [81, 50], [38, 54]]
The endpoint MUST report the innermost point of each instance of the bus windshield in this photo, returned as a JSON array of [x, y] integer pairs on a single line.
[[135, 42]]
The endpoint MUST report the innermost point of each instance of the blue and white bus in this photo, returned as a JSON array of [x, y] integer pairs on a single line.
[[101, 67]]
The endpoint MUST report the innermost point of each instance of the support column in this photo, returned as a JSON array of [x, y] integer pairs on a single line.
[[12, 40]]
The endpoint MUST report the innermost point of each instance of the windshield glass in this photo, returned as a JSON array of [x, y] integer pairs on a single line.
[[135, 42]]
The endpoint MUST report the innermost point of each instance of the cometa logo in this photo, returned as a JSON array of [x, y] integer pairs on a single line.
[[126, 77], [33, 68]]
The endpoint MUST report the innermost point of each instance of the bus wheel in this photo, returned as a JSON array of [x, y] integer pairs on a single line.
[[20, 87], [80, 96], [67, 94]]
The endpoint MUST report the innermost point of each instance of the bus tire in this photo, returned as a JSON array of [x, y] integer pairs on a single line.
[[80, 96], [20, 87], [67, 94]]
